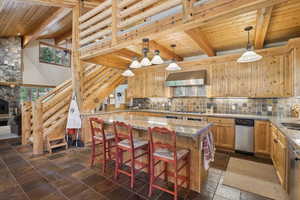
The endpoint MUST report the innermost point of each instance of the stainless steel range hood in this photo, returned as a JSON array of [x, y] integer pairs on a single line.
[[190, 78]]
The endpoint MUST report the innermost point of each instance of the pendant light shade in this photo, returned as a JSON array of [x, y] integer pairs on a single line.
[[145, 61], [173, 66], [135, 63], [157, 60], [249, 55], [128, 73]]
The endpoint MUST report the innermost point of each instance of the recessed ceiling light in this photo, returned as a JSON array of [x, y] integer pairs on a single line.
[[19, 34]]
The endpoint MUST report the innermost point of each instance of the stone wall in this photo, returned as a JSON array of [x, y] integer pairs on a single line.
[[10, 69]]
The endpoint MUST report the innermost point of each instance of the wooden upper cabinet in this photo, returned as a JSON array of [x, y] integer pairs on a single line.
[[262, 137], [148, 83], [270, 77]]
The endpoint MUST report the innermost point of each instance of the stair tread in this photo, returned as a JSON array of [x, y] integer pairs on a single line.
[[58, 145]]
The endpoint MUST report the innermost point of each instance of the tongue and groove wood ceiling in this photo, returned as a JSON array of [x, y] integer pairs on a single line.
[[19, 16]]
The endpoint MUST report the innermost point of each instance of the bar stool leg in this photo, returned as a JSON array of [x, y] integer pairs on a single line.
[[109, 148], [93, 153], [104, 156], [175, 181], [132, 169], [151, 176], [117, 163], [166, 171]]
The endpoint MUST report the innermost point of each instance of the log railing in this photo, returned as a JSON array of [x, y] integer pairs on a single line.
[[45, 119], [114, 19]]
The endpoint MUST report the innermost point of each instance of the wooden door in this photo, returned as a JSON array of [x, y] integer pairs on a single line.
[[226, 136], [262, 137]]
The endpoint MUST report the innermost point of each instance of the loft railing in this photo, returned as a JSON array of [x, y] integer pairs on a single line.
[[117, 20]]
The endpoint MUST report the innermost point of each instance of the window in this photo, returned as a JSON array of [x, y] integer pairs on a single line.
[[55, 55], [32, 93]]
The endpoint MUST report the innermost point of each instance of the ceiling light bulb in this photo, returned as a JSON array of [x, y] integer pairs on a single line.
[[249, 56], [173, 66], [157, 60], [146, 62], [135, 63], [128, 73]]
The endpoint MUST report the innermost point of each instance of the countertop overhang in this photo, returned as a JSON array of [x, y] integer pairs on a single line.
[[182, 128]]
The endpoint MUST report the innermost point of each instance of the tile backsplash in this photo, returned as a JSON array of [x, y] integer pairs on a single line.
[[268, 106]]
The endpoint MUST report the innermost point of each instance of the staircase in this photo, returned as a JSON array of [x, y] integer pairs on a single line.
[[44, 121]]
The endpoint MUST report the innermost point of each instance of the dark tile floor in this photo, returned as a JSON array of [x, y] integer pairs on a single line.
[[67, 175]]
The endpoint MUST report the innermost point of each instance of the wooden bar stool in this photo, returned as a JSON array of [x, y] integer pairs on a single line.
[[100, 137], [163, 150], [126, 143]]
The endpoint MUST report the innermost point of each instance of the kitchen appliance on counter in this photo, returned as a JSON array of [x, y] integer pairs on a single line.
[[294, 173], [244, 136]]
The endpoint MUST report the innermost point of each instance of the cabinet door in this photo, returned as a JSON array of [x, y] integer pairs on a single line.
[[281, 161], [226, 136], [262, 137], [214, 130], [274, 145]]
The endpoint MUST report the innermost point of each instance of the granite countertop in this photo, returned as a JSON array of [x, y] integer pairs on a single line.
[[292, 135], [181, 127]]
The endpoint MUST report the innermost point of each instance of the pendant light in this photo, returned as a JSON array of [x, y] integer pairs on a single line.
[[128, 73], [157, 60], [135, 63], [173, 66], [145, 61], [249, 55]]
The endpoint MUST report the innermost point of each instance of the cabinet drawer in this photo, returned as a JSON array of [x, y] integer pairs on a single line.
[[220, 120]]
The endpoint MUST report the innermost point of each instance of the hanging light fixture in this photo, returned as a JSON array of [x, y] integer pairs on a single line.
[[249, 55], [145, 61], [157, 60], [135, 63], [128, 73], [173, 66]]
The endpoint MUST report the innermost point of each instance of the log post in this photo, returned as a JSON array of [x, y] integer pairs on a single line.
[[114, 24], [26, 122], [38, 138], [77, 68]]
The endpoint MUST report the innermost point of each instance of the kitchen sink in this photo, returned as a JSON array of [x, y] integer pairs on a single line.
[[293, 126]]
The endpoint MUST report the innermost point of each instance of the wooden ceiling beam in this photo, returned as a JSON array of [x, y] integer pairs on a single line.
[[164, 52], [51, 20], [65, 36], [199, 37], [126, 53], [263, 19], [110, 61], [62, 3]]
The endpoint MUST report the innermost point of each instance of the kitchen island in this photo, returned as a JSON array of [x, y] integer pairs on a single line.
[[189, 135]]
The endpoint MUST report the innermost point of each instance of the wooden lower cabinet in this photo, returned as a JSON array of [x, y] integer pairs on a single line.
[[223, 132], [279, 154], [262, 137]]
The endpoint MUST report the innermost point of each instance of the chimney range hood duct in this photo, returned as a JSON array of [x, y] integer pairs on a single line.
[[190, 78]]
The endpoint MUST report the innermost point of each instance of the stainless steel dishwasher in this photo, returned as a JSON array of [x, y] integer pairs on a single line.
[[294, 173], [244, 135]]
